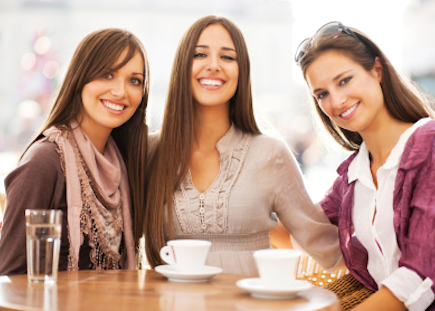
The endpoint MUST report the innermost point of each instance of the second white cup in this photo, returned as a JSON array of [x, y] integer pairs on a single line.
[[277, 267], [187, 256]]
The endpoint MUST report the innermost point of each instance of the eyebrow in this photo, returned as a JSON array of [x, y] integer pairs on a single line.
[[223, 48], [133, 73], [337, 77]]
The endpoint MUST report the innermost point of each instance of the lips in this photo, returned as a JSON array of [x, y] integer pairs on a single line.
[[347, 113], [211, 82], [113, 106]]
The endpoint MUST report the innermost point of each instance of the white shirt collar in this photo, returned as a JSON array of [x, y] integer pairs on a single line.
[[359, 168]]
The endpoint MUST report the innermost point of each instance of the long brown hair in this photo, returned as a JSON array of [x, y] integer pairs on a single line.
[[402, 99], [171, 160], [93, 58]]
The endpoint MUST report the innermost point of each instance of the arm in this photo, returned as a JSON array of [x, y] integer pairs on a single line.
[[305, 221], [32, 185], [383, 300], [280, 238]]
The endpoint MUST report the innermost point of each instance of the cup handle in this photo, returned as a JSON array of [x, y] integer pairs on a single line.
[[167, 254]]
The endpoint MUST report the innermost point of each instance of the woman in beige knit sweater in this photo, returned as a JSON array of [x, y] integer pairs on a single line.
[[213, 175]]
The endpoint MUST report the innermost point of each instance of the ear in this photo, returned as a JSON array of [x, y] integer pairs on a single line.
[[378, 69]]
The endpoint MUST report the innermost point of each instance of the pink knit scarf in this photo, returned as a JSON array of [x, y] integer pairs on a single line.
[[110, 175]]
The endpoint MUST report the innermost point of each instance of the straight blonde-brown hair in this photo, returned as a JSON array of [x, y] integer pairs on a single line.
[[94, 58], [402, 99], [171, 160]]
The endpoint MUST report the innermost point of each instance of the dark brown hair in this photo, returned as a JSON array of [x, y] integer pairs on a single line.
[[170, 162], [93, 58], [402, 99]]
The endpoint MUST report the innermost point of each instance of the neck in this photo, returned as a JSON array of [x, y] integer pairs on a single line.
[[98, 136], [209, 125], [381, 139]]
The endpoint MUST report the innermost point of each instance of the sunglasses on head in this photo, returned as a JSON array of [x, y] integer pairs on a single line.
[[331, 29]]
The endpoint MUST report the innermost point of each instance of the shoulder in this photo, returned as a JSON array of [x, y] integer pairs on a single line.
[[420, 146], [43, 157], [270, 152], [42, 150], [39, 174], [269, 143], [424, 132], [41, 161]]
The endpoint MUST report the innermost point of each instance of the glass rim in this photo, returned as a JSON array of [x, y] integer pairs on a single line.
[[29, 211]]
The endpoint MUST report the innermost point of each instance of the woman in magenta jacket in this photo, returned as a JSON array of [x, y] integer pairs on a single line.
[[383, 202]]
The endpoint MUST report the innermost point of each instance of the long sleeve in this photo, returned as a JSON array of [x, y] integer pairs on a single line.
[[305, 221], [37, 183]]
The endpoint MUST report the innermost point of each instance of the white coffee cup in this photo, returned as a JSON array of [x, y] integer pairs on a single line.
[[277, 267], [186, 255]]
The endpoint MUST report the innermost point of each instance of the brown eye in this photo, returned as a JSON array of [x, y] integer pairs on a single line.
[[228, 57], [197, 55], [136, 81], [321, 95], [345, 81]]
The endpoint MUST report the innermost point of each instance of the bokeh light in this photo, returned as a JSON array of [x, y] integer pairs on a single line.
[[42, 45], [50, 69], [28, 61], [29, 109]]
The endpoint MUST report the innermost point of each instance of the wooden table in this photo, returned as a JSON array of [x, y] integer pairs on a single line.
[[146, 290]]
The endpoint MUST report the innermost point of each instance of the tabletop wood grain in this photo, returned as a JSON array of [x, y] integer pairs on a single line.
[[146, 290]]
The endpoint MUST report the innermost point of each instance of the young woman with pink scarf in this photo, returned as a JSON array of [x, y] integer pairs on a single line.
[[88, 160]]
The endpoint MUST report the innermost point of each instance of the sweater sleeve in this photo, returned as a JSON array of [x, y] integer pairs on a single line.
[[304, 220], [37, 183]]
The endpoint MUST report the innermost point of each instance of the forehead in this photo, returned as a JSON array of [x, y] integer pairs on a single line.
[[215, 34], [327, 66], [135, 56]]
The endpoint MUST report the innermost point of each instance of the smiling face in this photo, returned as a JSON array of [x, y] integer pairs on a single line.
[[348, 94], [215, 71], [111, 100]]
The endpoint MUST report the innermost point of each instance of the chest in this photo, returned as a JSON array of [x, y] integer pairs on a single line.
[[202, 204], [204, 168]]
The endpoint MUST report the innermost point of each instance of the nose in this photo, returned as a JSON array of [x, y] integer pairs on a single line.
[[118, 88], [338, 99], [213, 64]]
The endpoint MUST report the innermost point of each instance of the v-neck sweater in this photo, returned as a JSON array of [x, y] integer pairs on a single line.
[[259, 182]]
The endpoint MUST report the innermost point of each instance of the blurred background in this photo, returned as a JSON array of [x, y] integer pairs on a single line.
[[38, 37]]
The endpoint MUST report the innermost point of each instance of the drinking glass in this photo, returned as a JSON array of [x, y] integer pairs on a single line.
[[43, 231]]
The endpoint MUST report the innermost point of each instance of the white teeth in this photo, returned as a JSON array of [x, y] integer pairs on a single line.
[[210, 82], [349, 111], [113, 106]]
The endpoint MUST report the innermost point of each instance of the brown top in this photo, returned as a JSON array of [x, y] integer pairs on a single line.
[[147, 290], [37, 183]]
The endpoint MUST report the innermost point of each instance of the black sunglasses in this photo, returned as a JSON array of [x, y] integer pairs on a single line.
[[332, 29]]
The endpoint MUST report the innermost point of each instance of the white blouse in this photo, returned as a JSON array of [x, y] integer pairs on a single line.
[[372, 217]]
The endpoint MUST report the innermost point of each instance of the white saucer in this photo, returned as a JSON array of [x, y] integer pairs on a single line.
[[257, 289], [204, 275]]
